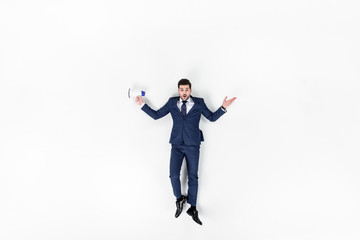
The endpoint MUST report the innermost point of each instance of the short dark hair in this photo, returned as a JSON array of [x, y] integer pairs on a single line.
[[184, 81]]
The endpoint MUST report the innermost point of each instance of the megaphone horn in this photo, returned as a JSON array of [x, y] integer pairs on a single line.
[[134, 93]]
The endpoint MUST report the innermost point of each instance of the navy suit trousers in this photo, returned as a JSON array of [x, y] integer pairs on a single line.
[[191, 154]]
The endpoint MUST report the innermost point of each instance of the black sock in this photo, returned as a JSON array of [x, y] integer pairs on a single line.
[[193, 207]]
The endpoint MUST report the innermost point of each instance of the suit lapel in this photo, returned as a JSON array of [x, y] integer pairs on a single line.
[[175, 104], [195, 105]]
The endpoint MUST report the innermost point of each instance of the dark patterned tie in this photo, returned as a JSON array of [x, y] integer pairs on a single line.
[[183, 108]]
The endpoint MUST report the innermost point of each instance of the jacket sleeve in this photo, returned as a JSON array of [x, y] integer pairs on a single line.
[[156, 114], [211, 116]]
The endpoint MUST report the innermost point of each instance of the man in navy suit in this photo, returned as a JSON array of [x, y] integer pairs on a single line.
[[185, 139]]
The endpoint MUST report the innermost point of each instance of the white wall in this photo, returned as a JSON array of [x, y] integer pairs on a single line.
[[79, 160]]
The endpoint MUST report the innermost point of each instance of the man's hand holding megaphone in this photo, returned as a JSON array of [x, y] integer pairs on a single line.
[[139, 100]]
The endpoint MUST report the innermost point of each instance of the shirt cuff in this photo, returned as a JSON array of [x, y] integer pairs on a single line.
[[141, 105], [223, 109]]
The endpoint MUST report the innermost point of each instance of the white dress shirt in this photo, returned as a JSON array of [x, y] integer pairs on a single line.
[[189, 104]]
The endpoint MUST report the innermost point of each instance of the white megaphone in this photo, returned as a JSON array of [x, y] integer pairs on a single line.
[[134, 93]]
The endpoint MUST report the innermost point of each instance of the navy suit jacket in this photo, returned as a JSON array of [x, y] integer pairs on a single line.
[[185, 130]]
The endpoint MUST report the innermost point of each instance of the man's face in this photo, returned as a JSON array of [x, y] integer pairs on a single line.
[[184, 92]]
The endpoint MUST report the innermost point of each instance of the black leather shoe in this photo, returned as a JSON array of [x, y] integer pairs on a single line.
[[179, 205], [194, 214]]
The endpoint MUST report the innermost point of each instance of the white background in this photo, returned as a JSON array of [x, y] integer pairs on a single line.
[[79, 160]]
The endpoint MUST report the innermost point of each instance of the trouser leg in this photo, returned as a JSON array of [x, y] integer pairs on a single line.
[[176, 159], [192, 161]]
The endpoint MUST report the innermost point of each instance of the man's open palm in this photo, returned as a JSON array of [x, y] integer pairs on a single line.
[[227, 103]]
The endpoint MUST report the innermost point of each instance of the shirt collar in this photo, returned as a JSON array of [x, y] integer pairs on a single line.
[[190, 100]]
